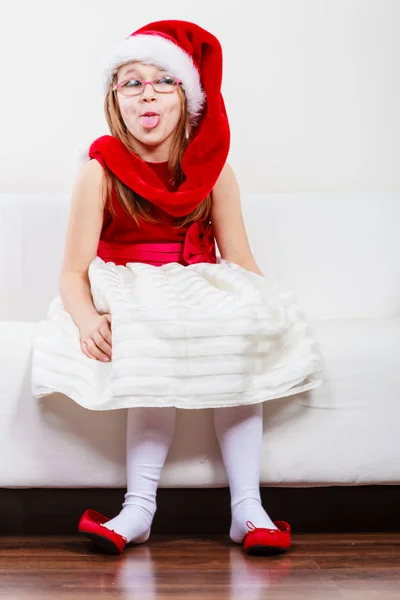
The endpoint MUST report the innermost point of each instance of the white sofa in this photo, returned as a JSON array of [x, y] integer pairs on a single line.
[[340, 255]]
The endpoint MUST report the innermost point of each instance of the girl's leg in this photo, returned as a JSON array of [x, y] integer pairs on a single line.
[[148, 439], [239, 431]]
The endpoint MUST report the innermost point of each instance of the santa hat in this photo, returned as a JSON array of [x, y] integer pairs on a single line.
[[194, 55], [170, 45]]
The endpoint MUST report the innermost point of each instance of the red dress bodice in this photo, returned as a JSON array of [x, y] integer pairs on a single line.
[[123, 228], [122, 240]]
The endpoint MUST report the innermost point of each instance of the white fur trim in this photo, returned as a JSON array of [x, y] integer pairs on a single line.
[[155, 49]]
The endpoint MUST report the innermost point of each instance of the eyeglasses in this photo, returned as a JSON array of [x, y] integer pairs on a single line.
[[134, 87]]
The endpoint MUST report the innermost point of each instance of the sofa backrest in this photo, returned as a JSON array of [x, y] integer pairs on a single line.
[[339, 253]]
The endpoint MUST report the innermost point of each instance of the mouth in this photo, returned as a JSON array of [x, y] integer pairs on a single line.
[[149, 120]]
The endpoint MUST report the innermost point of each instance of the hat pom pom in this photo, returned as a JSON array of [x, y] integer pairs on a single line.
[[81, 154]]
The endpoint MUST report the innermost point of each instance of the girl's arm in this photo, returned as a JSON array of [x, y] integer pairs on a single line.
[[84, 228], [228, 224]]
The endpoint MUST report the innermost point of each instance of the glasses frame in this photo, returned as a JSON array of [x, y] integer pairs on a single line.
[[145, 82]]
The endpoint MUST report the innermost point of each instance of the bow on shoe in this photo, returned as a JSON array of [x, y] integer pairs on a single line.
[[199, 243]]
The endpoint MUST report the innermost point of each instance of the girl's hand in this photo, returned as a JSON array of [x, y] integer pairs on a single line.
[[95, 337]]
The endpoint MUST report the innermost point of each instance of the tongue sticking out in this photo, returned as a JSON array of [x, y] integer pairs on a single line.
[[150, 121]]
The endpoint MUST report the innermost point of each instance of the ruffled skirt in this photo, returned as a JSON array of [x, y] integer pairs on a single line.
[[197, 336]]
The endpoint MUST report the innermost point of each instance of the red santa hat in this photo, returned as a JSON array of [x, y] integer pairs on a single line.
[[194, 55], [170, 45]]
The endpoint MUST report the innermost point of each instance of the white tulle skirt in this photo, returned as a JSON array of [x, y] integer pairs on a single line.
[[197, 336]]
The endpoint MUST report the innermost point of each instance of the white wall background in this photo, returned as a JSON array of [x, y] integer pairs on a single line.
[[319, 113]]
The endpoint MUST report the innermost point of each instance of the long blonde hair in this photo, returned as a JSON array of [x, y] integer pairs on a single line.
[[134, 204]]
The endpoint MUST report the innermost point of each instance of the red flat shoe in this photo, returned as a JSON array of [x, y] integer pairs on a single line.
[[90, 524], [261, 540]]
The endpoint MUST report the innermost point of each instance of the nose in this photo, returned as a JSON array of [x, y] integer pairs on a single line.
[[148, 91]]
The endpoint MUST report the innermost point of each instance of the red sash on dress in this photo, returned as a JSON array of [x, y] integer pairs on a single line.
[[198, 246]]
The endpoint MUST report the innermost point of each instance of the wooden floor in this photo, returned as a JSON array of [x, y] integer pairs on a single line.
[[321, 566]]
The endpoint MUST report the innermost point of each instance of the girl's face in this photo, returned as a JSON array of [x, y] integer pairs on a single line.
[[149, 142]]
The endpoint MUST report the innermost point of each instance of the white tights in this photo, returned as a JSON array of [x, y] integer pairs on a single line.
[[149, 436]]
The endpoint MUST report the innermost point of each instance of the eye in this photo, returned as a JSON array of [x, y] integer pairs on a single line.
[[167, 80], [132, 83]]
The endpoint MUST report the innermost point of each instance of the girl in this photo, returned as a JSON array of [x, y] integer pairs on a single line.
[[148, 317]]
